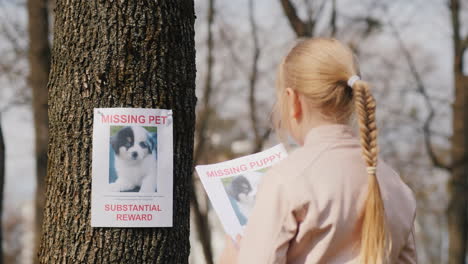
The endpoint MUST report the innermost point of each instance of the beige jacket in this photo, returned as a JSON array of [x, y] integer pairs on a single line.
[[308, 206]]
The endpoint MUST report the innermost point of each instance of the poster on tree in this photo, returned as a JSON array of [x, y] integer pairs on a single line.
[[232, 185], [132, 170]]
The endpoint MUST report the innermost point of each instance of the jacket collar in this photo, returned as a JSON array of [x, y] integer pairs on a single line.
[[332, 132]]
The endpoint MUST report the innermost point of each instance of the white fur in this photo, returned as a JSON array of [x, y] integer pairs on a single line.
[[135, 172]]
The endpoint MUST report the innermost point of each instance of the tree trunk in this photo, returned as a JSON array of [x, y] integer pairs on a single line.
[[2, 181], [39, 67], [458, 186], [201, 220], [133, 53]]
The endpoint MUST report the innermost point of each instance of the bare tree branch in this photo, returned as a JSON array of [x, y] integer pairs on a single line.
[[18, 99], [13, 31], [301, 28], [420, 87], [226, 38]]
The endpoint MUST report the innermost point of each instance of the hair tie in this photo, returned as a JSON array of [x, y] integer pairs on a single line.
[[352, 80], [371, 170]]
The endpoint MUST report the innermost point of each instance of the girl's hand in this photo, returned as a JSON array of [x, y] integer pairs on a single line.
[[231, 251]]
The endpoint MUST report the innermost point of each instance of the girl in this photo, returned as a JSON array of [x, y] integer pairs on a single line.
[[332, 200]]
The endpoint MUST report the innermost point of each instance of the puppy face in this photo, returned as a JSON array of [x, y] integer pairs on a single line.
[[132, 143], [240, 188]]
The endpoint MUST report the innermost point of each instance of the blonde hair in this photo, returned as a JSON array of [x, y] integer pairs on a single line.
[[319, 70]]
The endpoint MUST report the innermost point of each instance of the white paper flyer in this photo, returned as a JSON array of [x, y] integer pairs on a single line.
[[132, 174], [232, 185]]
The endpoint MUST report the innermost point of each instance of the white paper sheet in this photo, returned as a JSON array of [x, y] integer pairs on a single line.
[[232, 185], [132, 174]]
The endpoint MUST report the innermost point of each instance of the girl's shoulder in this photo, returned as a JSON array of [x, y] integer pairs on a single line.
[[299, 160]]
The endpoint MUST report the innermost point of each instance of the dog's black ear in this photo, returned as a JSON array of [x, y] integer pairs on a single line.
[[113, 143]]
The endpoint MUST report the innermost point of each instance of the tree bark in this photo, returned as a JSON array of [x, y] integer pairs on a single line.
[[2, 181], [458, 185], [39, 67], [133, 53]]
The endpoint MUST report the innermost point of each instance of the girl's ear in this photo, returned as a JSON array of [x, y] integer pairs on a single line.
[[294, 104]]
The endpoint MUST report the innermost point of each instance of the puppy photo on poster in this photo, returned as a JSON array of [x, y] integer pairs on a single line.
[[241, 190], [132, 172], [133, 164]]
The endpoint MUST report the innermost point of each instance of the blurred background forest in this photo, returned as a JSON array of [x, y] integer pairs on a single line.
[[412, 51]]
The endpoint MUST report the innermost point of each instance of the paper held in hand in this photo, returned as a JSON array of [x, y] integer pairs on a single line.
[[232, 185]]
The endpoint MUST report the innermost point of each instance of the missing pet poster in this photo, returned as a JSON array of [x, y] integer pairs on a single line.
[[232, 185], [132, 173]]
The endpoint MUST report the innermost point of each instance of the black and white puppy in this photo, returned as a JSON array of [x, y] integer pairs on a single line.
[[134, 163], [243, 189]]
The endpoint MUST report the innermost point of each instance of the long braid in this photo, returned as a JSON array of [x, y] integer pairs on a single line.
[[375, 243], [365, 109]]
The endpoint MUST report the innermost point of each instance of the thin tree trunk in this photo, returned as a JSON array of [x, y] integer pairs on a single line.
[[205, 111], [258, 140], [458, 186], [203, 229], [2, 181], [39, 67], [333, 19], [130, 53], [202, 222]]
